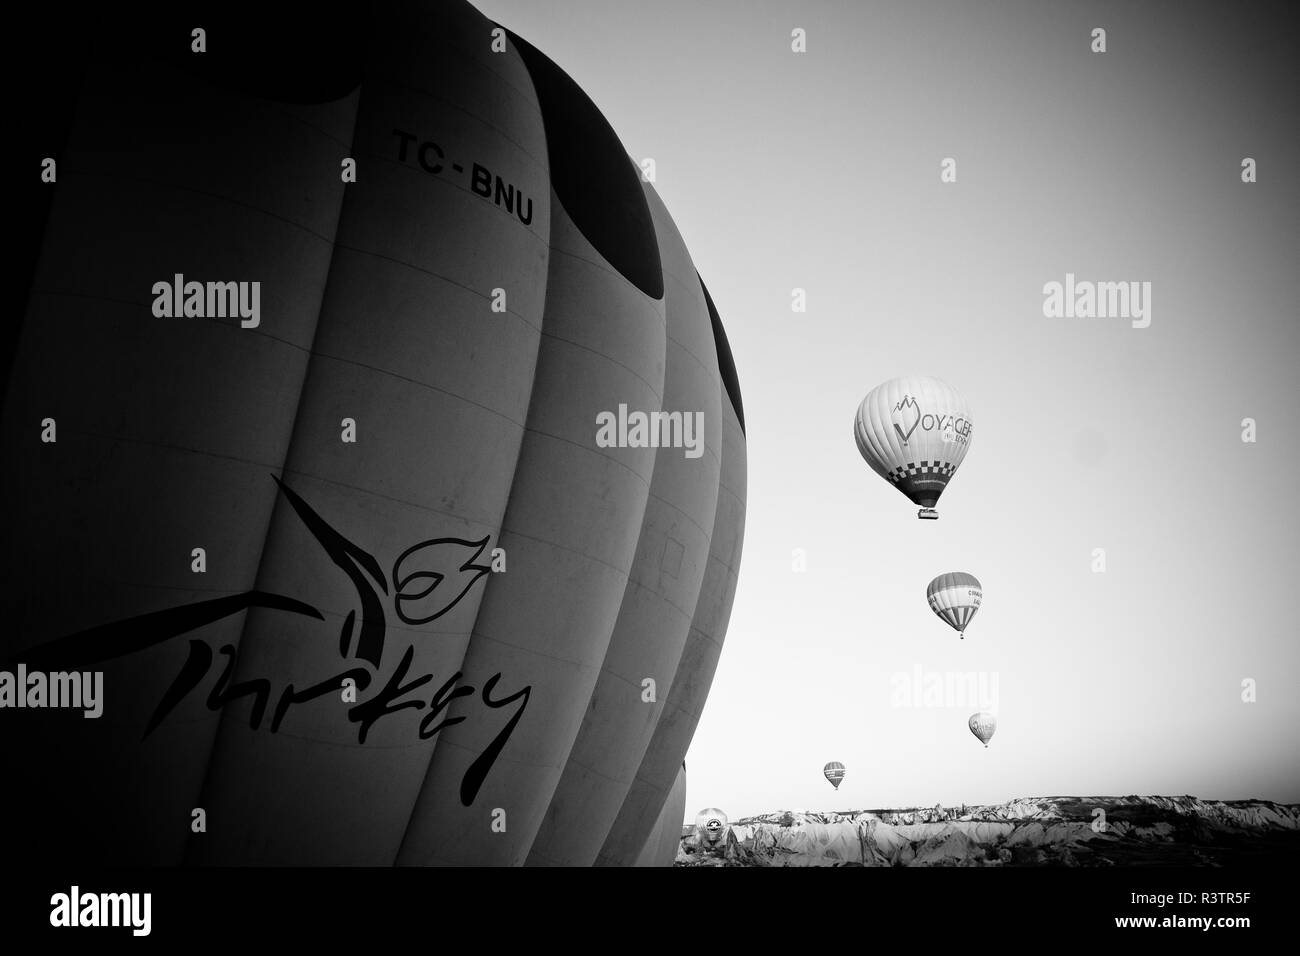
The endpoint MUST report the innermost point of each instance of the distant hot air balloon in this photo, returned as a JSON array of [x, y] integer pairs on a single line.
[[955, 597], [711, 825], [982, 725], [834, 772], [350, 500], [914, 433]]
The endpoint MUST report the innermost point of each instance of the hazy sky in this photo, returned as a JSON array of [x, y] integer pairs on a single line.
[[821, 171]]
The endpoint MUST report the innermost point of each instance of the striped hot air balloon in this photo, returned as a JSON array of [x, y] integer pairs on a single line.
[[982, 725], [914, 433], [955, 596], [834, 772]]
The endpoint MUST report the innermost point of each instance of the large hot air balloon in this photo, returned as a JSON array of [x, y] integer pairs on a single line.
[[710, 826], [376, 499], [834, 772], [914, 433], [955, 597], [982, 725], [666, 834]]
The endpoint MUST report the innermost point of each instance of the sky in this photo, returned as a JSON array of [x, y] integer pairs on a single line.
[[821, 171]]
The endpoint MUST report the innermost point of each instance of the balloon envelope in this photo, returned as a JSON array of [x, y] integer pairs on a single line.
[[666, 835], [710, 824], [982, 725], [955, 597], [359, 567], [914, 432], [834, 772]]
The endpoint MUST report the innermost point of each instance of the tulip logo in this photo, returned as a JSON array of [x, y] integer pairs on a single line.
[[900, 416]]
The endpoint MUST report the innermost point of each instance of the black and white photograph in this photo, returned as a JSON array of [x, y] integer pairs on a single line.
[[443, 439]]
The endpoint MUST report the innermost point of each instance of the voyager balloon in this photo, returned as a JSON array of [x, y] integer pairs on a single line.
[[834, 772], [914, 433], [327, 506], [955, 597], [983, 725]]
